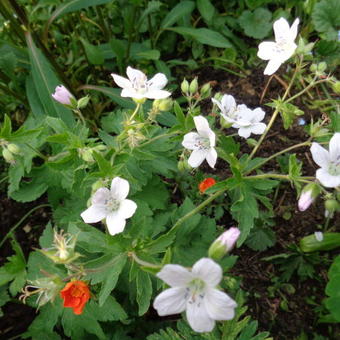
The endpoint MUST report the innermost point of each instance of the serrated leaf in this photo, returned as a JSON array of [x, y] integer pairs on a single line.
[[256, 24], [260, 239]]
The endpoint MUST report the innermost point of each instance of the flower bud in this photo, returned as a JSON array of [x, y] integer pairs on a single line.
[[225, 124], [322, 66], [206, 184], [62, 95], [13, 148], [183, 165], [8, 156], [336, 87], [82, 102], [224, 243], [185, 86], [331, 206], [86, 154], [308, 195], [206, 90], [165, 104], [193, 87]]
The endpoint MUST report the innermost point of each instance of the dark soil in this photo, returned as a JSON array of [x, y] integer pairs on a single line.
[[284, 322]]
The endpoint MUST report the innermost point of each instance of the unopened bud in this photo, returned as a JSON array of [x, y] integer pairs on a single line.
[[62, 95], [165, 104], [322, 66], [183, 165], [8, 156], [193, 87], [13, 148], [336, 87], [185, 86], [82, 102], [224, 243], [206, 90], [86, 154], [331, 206], [308, 195]]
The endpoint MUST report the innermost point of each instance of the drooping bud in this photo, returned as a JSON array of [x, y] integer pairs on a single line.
[[185, 86], [183, 165], [62, 95], [331, 206], [165, 104], [224, 243], [308, 195], [8, 156], [82, 102], [13, 148], [193, 87], [206, 184], [206, 90]]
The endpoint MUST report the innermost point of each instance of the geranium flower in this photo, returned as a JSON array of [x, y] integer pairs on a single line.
[[206, 184], [329, 162], [111, 205], [75, 295], [228, 107], [249, 121], [282, 49], [62, 95], [194, 291], [202, 143], [139, 87]]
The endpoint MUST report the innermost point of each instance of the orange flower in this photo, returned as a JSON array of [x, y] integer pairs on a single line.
[[75, 295], [207, 183]]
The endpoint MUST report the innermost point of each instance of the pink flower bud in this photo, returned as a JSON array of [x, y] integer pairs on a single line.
[[62, 95], [229, 238], [305, 200]]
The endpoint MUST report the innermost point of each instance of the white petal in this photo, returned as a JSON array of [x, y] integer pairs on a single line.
[[258, 128], [196, 158], [94, 213], [258, 114], [190, 139], [158, 81], [334, 148], [101, 196], [293, 29], [131, 93], [272, 66], [326, 179], [175, 275], [266, 50], [281, 30], [157, 94], [228, 104], [202, 126], [126, 209], [211, 157], [207, 270], [115, 224], [219, 305], [212, 138], [171, 301], [121, 81], [134, 74], [198, 318], [244, 132], [320, 155], [119, 188], [216, 102]]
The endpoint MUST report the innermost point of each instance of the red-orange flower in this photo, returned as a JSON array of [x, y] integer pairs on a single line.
[[207, 183], [75, 295]]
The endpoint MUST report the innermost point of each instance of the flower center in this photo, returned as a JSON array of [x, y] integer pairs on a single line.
[[112, 204], [195, 292], [202, 143], [140, 84], [334, 168]]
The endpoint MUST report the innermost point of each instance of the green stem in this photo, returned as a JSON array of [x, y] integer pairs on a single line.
[[308, 142], [134, 14], [11, 231], [80, 115], [142, 262], [159, 137], [279, 176], [276, 112], [196, 210], [4, 179], [37, 152], [134, 113]]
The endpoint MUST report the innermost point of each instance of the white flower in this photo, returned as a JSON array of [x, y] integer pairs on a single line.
[[138, 86], [195, 292], [248, 121], [202, 143], [282, 49], [329, 162], [111, 205], [227, 105]]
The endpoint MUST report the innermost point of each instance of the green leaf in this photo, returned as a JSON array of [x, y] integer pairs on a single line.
[[182, 9], [326, 18], [203, 35], [45, 82], [93, 53], [295, 173], [179, 114], [112, 275], [260, 239], [256, 24], [6, 128], [206, 9], [144, 291], [29, 191], [288, 113]]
